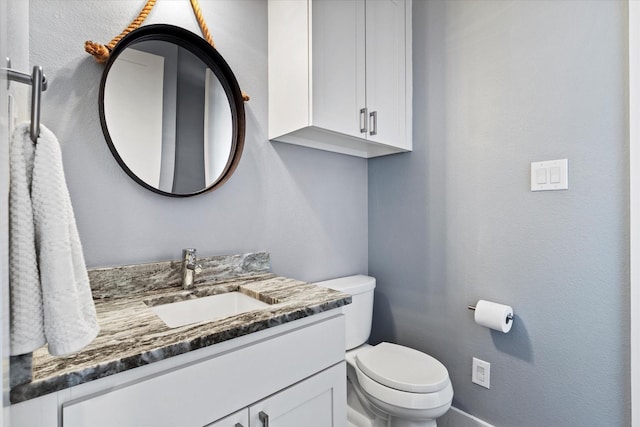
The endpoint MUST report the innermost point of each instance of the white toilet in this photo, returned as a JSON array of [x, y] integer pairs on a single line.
[[388, 385]]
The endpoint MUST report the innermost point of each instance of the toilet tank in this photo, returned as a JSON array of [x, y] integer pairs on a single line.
[[359, 313]]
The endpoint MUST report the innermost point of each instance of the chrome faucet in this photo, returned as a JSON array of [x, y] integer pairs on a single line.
[[189, 268]]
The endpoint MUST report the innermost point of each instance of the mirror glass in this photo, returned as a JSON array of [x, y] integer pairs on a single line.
[[171, 111]]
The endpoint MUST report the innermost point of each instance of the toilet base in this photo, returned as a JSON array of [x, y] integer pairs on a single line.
[[408, 417], [395, 422], [356, 418], [362, 411]]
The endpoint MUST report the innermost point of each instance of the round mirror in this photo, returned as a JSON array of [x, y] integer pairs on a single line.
[[171, 111]]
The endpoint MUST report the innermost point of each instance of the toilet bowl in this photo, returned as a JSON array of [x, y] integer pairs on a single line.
[[388, 385], [409, 386]]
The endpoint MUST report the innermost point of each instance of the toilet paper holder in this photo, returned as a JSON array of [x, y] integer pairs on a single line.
[[509, 317]]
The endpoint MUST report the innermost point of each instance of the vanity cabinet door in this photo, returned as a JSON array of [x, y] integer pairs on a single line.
[[319, 401], [237, 419], [386, 66]]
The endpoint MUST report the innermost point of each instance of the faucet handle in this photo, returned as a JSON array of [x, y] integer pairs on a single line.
[[188, 252]]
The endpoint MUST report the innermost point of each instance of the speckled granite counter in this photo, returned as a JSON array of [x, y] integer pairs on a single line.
[[131, 335]]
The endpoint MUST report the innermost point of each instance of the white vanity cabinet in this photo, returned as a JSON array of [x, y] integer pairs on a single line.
[[290, 372], [340, 75]]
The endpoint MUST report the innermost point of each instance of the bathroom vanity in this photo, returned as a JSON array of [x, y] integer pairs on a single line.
[[278, 365]]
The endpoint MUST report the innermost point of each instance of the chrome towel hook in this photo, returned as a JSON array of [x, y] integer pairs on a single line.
[[38, 82]]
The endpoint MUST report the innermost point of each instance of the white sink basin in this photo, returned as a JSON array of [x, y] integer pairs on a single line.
[[206, 308]]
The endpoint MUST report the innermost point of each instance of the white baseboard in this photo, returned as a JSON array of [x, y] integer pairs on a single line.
[[457, 418]]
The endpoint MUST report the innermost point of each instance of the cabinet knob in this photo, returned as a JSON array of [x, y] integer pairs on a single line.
[[374, 125], [238, 425], [264, 418], [363, 120]]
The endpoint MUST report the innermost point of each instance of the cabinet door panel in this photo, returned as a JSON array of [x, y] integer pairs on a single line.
[[386, 65], [338, 61], [319, 401]]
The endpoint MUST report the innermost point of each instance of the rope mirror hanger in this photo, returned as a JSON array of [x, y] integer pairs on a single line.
[[101, 52]]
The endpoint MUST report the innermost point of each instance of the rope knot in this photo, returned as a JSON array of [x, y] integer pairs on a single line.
[[99, 52]]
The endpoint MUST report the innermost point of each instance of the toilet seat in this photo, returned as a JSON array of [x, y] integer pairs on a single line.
[[403, 368], [381, 376]]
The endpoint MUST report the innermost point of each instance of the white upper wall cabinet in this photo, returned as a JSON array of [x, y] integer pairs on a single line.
[[340, 75]]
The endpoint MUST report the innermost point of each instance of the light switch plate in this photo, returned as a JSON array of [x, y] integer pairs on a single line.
[[550, 175]]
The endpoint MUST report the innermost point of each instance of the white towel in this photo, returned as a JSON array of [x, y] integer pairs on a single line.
[[55, 305], [27, 316]]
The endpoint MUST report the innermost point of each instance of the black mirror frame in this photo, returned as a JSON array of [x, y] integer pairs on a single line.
[[210, 56]]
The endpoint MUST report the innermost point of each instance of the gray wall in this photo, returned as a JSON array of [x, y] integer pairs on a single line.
[[307, 207], [497, 85]]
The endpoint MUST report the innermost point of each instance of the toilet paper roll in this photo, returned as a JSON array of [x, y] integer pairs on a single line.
[[494, 316]]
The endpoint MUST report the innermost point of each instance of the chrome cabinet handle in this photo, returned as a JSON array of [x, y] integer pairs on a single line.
[[363, 120], [374, 126], [264, 418]]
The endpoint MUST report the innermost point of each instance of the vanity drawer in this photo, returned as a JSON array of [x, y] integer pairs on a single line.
[[202, 392]]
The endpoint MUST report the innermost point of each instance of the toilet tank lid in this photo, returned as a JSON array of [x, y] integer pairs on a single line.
[[351, 284]]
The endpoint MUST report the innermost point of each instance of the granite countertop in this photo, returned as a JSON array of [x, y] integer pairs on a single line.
[[131, 335]]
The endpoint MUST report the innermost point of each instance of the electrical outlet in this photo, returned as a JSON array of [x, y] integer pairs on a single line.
[[481, 373]]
